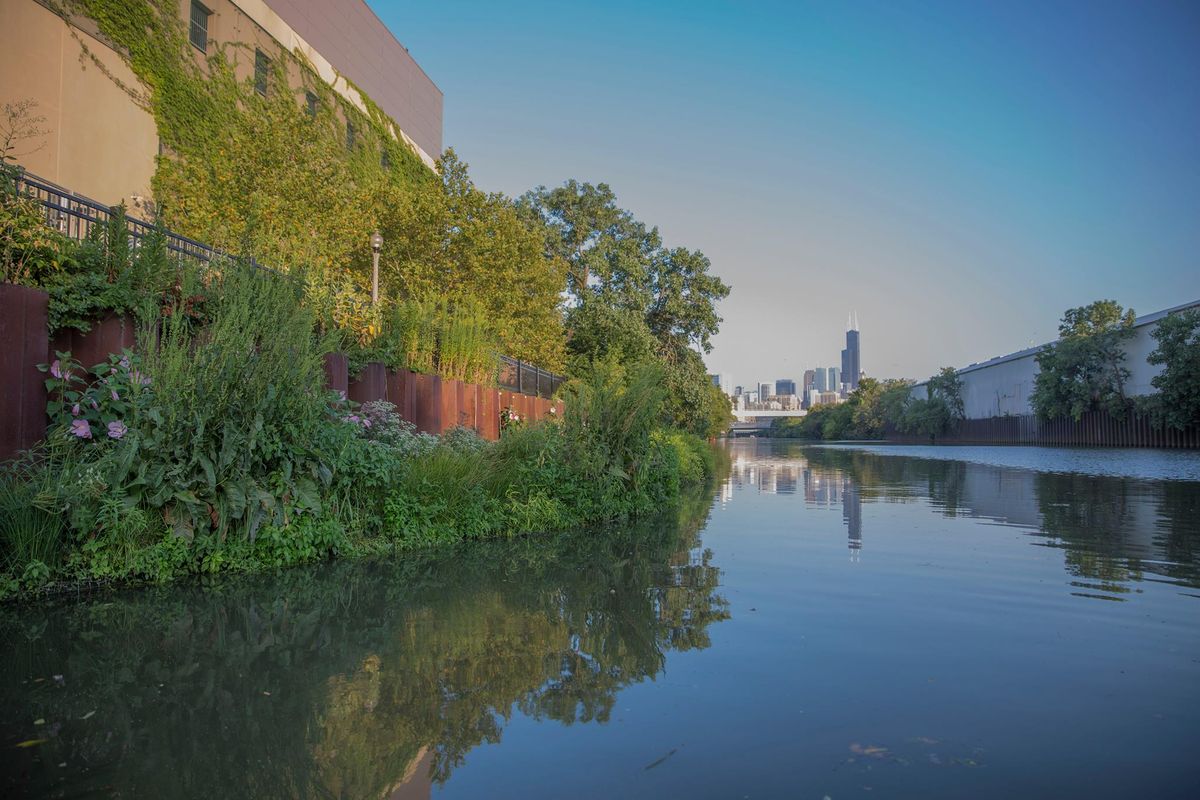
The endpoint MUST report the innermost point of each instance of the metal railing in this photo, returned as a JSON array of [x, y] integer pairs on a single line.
[[74, 216], [525, 378]]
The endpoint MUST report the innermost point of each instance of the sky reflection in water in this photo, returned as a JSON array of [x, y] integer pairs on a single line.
[[835, 622]]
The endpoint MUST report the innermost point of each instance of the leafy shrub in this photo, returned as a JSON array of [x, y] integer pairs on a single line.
[[95, 408], [227, 443]]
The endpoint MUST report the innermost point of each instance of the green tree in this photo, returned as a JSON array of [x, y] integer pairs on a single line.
[[1177, 403], [633, 298], [1085, 369]]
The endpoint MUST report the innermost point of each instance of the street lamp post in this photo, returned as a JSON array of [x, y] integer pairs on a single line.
[[376, 246]]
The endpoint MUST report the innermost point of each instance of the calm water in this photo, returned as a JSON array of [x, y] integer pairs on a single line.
[[835, 622]]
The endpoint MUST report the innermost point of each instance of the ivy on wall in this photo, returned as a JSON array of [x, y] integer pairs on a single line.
[[260, 175]]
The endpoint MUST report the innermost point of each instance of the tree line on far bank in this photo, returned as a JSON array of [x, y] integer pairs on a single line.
[[1084, 370]]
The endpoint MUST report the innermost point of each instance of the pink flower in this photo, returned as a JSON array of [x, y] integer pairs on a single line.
[[366, 422], [75, 410], [115, 396], [56, 369], [117, 429], [353, 417], [81, 429]]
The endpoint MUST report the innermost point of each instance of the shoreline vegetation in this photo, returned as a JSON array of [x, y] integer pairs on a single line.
[[214, 449], [211, 446], [1083, 371]]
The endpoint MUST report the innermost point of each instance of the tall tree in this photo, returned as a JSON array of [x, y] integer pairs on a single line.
[[1177, 403], [1085, 369]]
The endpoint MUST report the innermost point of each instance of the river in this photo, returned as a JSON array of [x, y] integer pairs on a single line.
[[828, 622]]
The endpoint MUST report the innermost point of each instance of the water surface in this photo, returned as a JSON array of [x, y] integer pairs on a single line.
[[833, 622]]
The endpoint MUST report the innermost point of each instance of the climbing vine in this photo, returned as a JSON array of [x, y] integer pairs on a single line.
[[247, 172]]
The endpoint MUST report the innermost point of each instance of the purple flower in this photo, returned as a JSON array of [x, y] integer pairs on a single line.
[[81, 429], [75, 410], [117, 429], [115, 396], [124, 363], [95, 404], [366, 422], [56, 369], [353, 418]]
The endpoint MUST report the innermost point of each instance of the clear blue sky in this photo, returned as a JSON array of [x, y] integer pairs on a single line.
[[959, 173]]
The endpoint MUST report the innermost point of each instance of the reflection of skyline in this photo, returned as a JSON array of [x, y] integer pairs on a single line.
[[823, 487], [1113, 531]]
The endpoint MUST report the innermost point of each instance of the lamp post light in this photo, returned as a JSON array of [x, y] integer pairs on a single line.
[[376, 246]]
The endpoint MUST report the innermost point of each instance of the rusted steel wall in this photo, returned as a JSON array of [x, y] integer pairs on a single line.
[[1095, 428], [23, 345], [108, 336], [370, 384], [432, 404], [336, 373]]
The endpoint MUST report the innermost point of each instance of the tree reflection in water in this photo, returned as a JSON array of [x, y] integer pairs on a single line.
[[1113, 531], [349, 679]]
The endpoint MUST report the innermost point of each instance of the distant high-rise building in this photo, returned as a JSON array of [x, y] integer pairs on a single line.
[[851, 366], [764, 391], [820, 380], [809, 376], [784, 386], [833, 381], [737, 391]]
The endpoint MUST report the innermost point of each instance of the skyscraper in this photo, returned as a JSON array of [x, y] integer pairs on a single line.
[[784, 386], [833, 380], [851, 366], [821, 379]]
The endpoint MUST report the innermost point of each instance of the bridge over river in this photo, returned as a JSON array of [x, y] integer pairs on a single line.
[[749, 422]]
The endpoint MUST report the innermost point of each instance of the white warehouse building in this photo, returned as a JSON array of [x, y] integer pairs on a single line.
[[1002, 386]]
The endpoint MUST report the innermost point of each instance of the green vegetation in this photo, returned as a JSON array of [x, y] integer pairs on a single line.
[[213, 447], [1085, 369], [632, 299], [1177, 403], [878, 407]]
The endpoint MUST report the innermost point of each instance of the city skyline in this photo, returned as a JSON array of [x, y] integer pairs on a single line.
[[929, 170]]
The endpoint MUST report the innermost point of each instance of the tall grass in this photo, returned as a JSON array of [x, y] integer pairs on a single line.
[[227, 442]]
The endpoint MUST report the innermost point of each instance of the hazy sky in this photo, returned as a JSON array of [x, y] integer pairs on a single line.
[[958, 173]]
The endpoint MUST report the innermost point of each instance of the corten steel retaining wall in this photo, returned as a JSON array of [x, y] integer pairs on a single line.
[[1094, 428], [433, 404], [24, 343]]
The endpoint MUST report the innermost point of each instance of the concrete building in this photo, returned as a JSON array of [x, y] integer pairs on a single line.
[[785, 386], [826, 398], [833, 380], [1002, 386], [101, 143], [765, 390]]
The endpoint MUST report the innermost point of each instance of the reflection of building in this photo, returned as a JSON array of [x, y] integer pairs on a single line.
[[852, 513]]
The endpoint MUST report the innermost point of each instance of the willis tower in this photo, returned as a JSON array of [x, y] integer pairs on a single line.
[[851, 367]]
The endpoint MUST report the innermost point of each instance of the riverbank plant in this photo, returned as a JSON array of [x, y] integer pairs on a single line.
[[213, 448]]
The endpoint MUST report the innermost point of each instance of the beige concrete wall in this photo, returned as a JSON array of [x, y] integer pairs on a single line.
[[100, 143]]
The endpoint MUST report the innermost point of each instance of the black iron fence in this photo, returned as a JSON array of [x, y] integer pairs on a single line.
[[519, 376], [74, 216]]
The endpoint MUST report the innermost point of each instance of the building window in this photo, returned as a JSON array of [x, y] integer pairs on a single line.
[[198, 30], [310, 101], [262, 68], [349, 135]]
